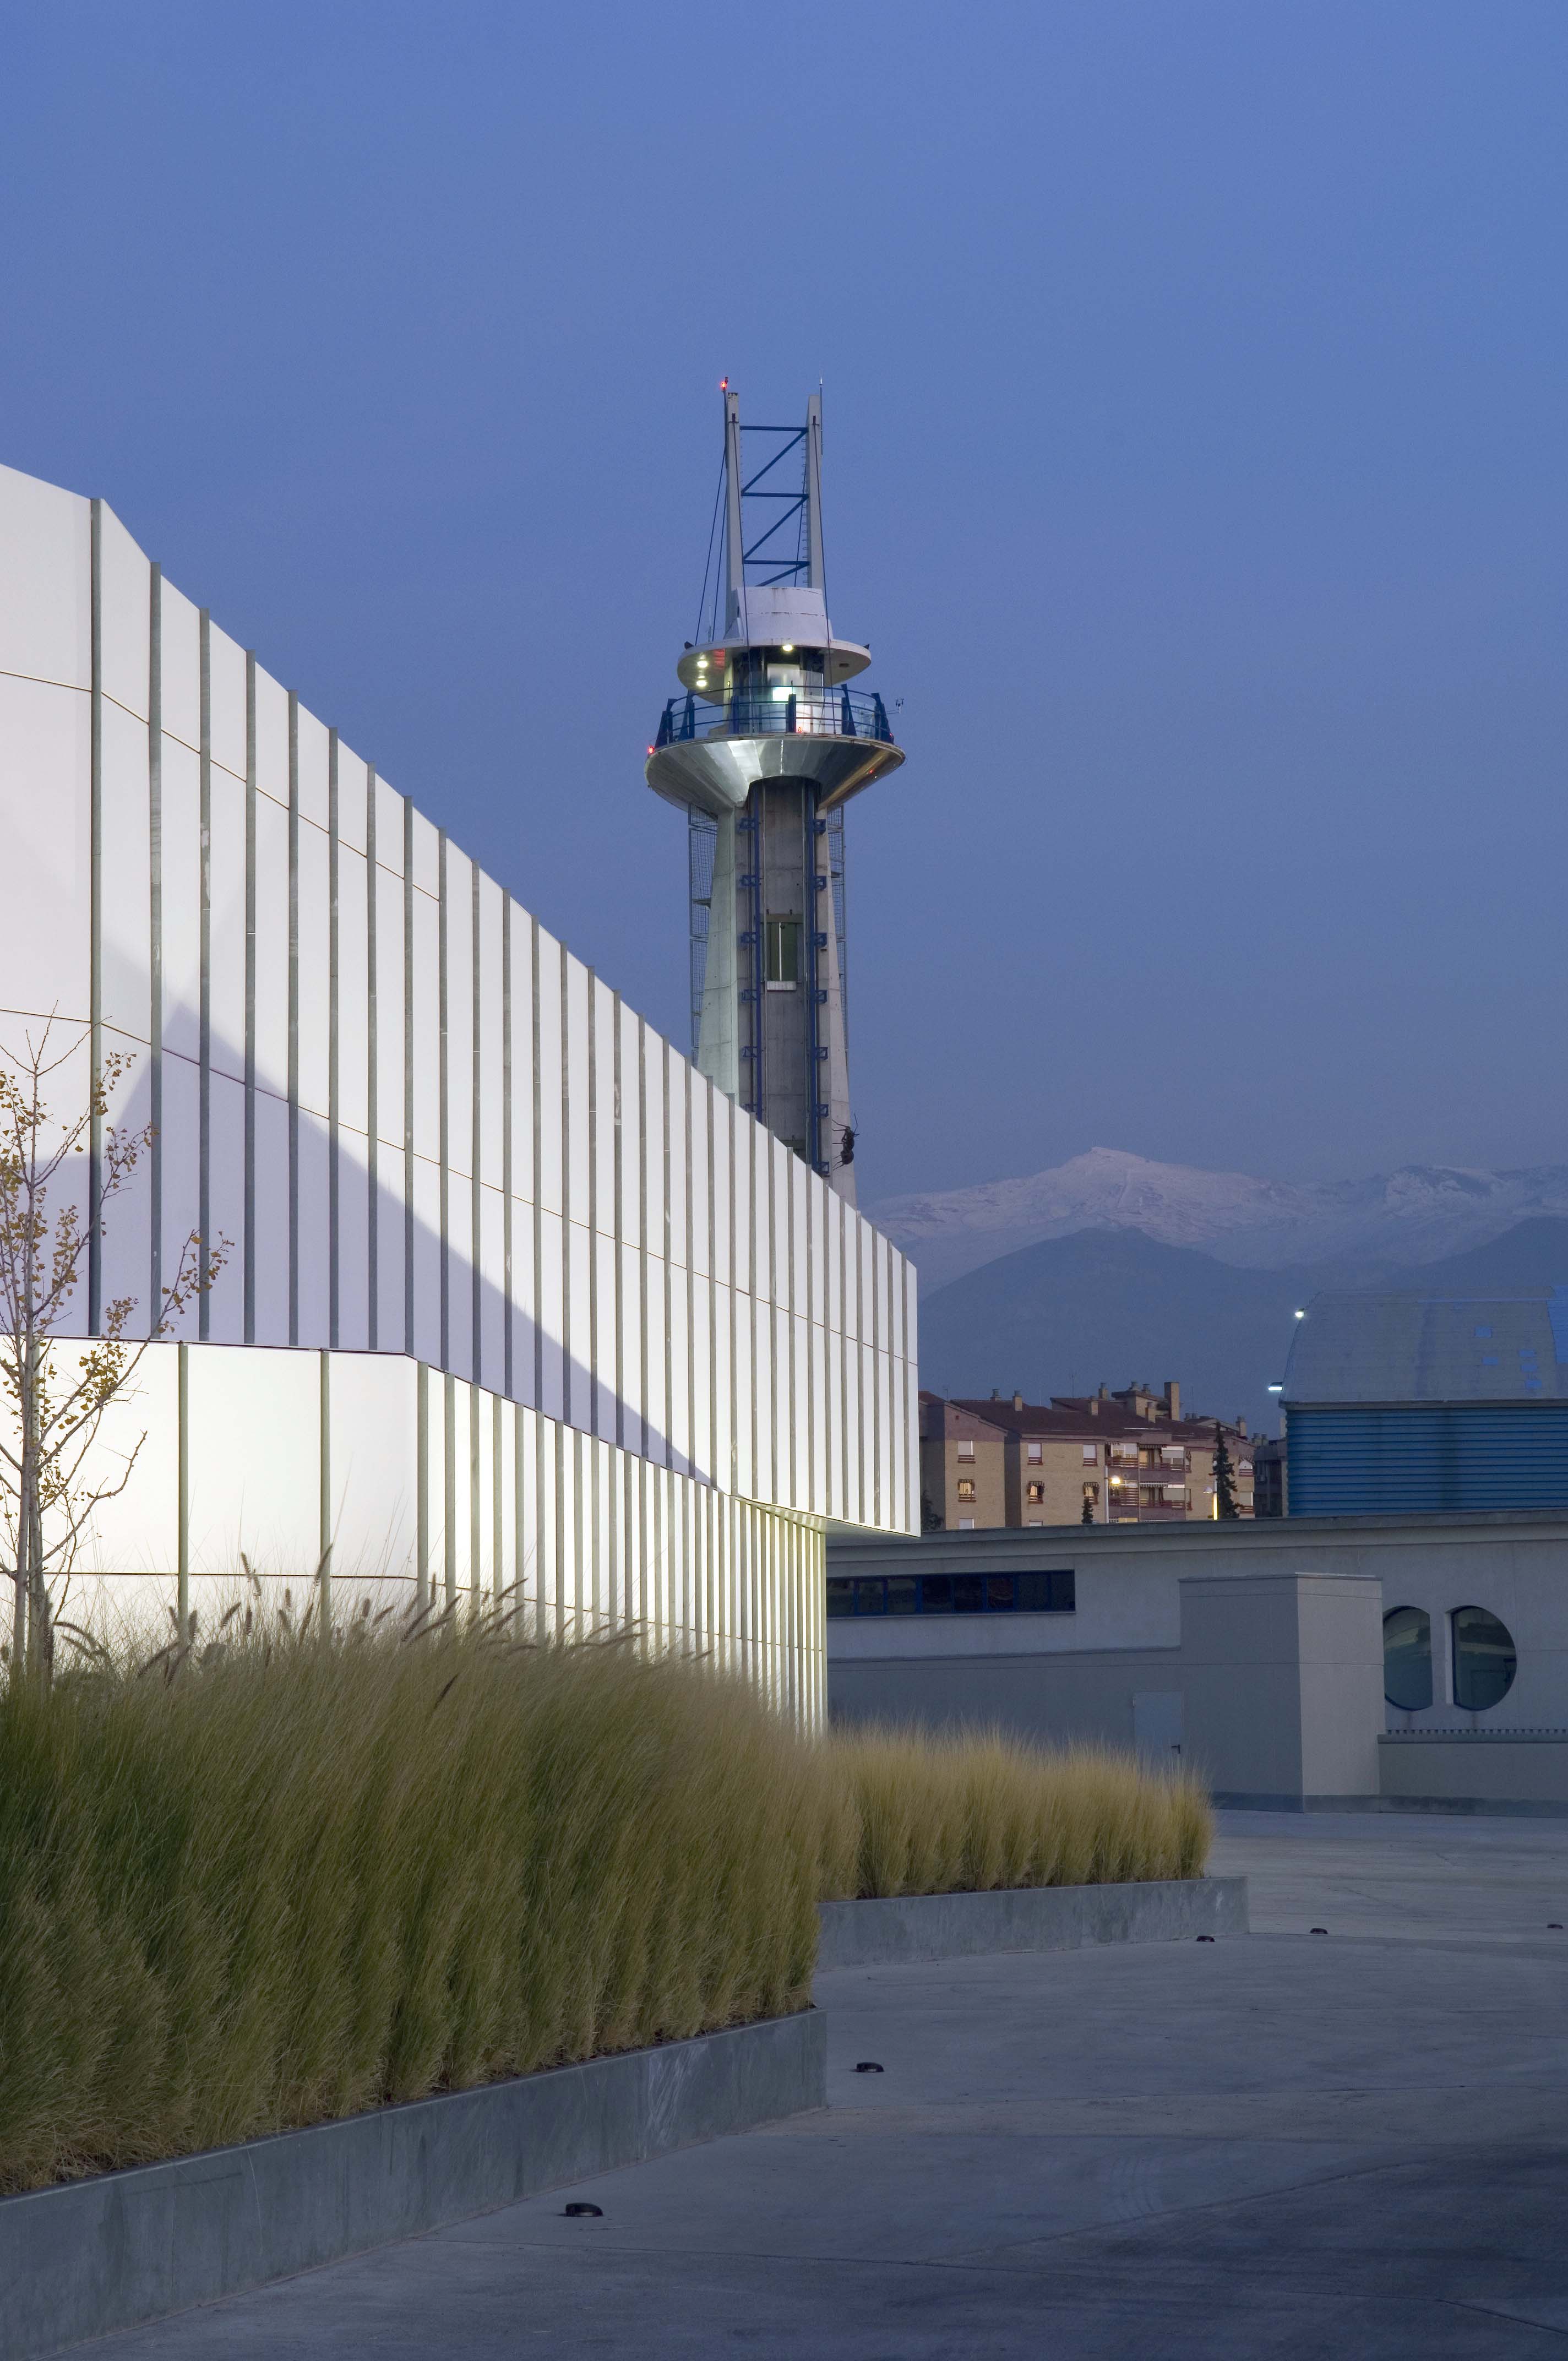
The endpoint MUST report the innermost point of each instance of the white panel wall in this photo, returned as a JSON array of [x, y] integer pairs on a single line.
[[46, 600], [374, 1465], [666, 1275], [254, 1440], [45, 738], [226, 870], [140, 1444]]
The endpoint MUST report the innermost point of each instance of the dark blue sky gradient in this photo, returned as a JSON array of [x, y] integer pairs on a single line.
[[1196, 419]]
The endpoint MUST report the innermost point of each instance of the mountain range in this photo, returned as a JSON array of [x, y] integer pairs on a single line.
[[1112, 1268], [1113, 1306], [1414, 1215]]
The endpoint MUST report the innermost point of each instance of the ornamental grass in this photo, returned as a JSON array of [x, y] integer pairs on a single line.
[[294, 1881], [964, 1811], [272, 1881]]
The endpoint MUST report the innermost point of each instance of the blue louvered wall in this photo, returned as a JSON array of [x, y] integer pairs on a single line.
[[1405, 1458]]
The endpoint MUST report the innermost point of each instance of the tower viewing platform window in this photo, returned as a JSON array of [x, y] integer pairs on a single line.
[[775, 711]]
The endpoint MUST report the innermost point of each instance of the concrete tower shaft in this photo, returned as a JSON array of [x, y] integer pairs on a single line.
[[762, 750]]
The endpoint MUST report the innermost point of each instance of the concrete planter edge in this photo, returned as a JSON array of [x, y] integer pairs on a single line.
[[907, 1927], [124, 2248]]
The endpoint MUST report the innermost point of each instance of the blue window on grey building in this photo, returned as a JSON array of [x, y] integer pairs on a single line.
[[1050, 1593], [1484, 1659], [1406, 1659]]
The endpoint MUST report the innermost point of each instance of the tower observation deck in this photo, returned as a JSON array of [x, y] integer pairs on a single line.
[[763, 749]]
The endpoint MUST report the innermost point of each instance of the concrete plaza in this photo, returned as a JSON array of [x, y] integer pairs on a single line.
[[1289, 2144]]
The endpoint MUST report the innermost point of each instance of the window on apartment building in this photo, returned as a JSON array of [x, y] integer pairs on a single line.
[[965, 1525], [1035, 1495], [966, 1449], [1091, 1491], [1484, 1659], [784, 954], [1036, 1453], [1090, 1454], [1053, 1592], [966, 1488]]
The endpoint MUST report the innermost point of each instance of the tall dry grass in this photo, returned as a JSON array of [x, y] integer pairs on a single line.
[[295, 1881], [279, 1881], [967, 1810]]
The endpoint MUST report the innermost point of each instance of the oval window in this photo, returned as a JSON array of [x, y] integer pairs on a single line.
[[1484, 1659], [1406, 1659]]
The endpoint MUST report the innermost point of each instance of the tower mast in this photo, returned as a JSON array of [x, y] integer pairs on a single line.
[[734, 542], [762, 750]]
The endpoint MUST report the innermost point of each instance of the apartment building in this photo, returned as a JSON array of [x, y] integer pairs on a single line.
[[963, 1466], [1108, 1458]]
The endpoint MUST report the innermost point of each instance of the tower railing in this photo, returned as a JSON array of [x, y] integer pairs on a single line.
[[804, 712]]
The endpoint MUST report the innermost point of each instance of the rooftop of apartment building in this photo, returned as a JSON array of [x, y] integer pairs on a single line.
[[1070, 1418]]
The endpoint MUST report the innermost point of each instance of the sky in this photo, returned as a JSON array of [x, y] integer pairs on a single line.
[[1195, 384]]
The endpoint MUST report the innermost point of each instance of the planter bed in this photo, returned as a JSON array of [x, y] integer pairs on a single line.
[[909, 1927], [92, 2255]]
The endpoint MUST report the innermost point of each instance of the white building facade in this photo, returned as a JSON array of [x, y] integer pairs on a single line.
[[516, 1302]]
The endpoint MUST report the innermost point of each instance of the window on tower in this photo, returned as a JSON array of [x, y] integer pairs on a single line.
[[784, 954]]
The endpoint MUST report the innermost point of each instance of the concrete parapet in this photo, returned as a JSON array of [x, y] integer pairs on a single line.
[[1480, 1769], [910, 1926], [94, 2255]]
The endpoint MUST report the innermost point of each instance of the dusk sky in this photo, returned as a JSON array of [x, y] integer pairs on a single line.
[[1196, 393]]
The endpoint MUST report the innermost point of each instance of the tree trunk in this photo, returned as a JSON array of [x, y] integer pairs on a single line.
[[41, 1622], [32, 1644]]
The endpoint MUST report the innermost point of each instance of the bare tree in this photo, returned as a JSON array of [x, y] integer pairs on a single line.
[[53, 1480]]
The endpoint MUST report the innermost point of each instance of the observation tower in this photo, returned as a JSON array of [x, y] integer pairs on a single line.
[[763, 749]]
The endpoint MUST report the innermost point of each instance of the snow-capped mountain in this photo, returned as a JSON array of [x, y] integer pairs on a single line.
[[1413, 1215]]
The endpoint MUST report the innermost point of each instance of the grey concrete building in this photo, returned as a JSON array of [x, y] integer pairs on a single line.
[[1372, 1658]]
